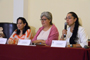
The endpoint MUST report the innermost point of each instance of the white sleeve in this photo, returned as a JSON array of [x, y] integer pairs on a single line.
[[83, 37]]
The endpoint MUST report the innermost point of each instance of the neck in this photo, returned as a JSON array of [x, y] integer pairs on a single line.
[[47, 27], [21, 31], [72, 27]]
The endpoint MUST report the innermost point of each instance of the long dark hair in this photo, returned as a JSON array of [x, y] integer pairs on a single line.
[[25, 28], [75, 30]]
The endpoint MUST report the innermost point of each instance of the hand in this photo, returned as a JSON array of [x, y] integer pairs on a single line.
[[42, 42], [68, 45], [64, 32], [1, 35], [16, 41], [10, 41]]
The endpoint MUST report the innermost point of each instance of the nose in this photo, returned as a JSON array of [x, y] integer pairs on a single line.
[[67, 20], [42, 21]]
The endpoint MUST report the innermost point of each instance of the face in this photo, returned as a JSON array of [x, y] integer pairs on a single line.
[[20, 24], [70, 19], [45, 21]]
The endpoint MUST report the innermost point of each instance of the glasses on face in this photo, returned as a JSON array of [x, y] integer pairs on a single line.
[[43, 19], [20, 23], [68, 18]]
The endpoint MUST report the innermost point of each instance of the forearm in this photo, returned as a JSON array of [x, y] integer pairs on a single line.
[[43, 42], [75, 45], [37, 41]]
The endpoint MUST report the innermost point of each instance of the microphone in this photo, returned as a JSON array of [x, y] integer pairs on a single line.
[[86, 47], [65, 27]]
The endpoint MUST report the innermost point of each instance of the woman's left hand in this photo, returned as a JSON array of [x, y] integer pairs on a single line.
[[16, 41], [43, 41]]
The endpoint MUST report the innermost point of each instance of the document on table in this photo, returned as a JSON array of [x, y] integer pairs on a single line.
[[24, 42], [58, 43], [3, 40]]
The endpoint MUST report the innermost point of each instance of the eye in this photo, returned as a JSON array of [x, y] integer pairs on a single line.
[[68, 18], [20, 23], [43, 19]]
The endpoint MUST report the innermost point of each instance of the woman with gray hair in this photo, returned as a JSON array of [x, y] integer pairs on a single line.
[[47, 32]]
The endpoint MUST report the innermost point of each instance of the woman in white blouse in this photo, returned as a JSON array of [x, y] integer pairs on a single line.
[[75, 34]]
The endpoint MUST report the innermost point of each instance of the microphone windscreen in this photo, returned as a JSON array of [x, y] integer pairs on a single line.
[[65, 27]]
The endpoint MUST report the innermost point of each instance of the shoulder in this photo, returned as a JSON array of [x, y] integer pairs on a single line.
[[15, 31], [54, 27], [80, 28], [40, 29], [28, 31]]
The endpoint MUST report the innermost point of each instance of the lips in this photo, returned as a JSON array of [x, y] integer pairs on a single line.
[[43, 23], [18, 27]]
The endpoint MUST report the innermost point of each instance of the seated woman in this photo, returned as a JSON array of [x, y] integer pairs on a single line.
[[1, 33], [75, 34], [22, 32], [47, 32]]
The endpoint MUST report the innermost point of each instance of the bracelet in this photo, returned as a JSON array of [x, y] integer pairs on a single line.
[[62, 37], [39, 43], [71, 45]]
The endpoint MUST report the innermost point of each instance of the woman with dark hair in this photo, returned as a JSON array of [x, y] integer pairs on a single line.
[[23, 31], [47, 32], [75, 34]]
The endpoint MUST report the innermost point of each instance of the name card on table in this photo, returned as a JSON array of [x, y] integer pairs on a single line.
[[3, 40], [58, 43], [24, 42]]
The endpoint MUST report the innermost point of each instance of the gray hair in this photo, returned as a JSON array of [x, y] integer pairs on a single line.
[[48, 15]]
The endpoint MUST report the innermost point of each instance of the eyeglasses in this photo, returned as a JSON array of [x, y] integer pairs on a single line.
[[68, 18], [43, 19]]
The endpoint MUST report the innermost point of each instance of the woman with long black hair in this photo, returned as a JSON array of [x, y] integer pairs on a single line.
[[75, 34], [23, 31]]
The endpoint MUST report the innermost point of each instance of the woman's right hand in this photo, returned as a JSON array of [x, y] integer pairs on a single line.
[[63, 32]]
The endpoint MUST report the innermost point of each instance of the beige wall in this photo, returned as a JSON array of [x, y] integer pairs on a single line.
[[59, 10], [6, 10]]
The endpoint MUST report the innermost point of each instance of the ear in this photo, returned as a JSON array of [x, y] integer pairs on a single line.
[[25, 24], [75, 19], [50, 20]]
